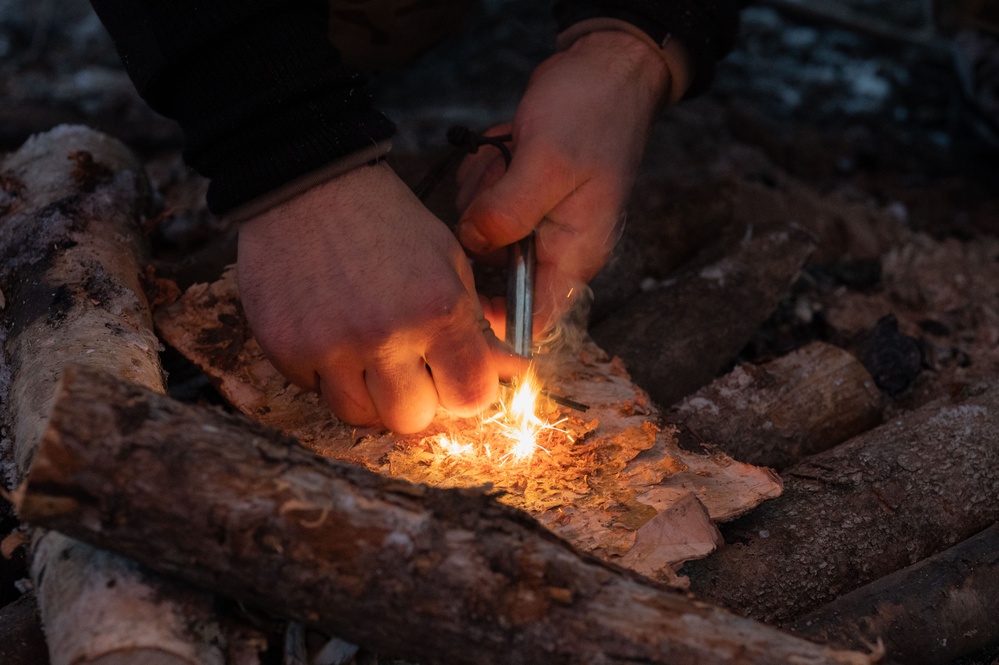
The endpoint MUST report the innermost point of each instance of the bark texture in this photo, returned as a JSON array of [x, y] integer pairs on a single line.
[[934, 612], [71, 260], [410, 571], [695, 326], [777, 413], [23, 641], [880, 502]]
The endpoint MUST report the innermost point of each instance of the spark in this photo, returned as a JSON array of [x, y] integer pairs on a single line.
[[511, 435], [453, 448]]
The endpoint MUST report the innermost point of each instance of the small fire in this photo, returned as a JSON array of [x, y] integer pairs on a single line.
[[514, 430]]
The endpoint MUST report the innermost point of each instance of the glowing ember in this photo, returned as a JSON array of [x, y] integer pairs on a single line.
[[513, 431]]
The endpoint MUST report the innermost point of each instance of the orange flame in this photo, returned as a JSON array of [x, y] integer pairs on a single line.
[[516, 426]]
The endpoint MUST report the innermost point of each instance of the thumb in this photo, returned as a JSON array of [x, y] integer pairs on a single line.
[[511, 208]]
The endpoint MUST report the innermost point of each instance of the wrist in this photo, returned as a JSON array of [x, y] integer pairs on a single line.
[[674, 71]]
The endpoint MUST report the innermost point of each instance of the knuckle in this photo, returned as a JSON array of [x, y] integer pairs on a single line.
[[449, 305]]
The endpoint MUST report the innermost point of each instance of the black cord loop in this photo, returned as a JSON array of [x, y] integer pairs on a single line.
[[466, 142]]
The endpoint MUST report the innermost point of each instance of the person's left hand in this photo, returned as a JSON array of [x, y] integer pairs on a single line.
[[578, 137]]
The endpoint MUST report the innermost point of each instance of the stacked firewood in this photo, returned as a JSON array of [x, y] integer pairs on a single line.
[[881, 543]]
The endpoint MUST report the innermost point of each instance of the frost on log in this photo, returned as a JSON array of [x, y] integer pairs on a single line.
[[70, 275], [411, 571]]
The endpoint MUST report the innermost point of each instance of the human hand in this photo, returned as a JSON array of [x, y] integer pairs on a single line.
[[356, 290], [578, 137]]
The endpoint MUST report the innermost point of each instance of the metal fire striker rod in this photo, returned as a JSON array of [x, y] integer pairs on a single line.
[[520, 296]]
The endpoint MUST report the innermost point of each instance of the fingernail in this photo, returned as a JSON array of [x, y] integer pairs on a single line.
[[470, 237]]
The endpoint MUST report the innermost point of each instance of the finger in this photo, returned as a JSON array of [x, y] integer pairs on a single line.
[[347, 396], [299, 374], [403, 393], [507, 363], [506, 212], [463, 370], [477, 173], [554, 294], [569, 255], [578, 252], [494, 311], [480, 169]]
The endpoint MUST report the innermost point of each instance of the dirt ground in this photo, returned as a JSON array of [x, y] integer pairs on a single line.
[[865, 139]]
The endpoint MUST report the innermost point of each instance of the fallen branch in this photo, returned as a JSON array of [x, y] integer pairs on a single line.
[[939, 610], [880, 502], [410, 571]]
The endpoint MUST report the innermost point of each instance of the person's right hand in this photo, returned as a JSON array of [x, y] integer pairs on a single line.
[[356, 290]]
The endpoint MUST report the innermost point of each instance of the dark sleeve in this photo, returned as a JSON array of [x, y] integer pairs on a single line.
[[259, 91], [707, 28]]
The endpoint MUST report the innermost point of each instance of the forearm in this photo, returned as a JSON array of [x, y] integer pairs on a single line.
[[261, 95]]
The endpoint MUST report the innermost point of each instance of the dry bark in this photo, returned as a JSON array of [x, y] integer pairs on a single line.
[[610, 479], [880, 502], [677, 338], [777, 413], [71, 250], [411, 571], [939, 610]]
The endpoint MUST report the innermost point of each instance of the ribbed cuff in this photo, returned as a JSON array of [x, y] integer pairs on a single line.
[[307, 181]]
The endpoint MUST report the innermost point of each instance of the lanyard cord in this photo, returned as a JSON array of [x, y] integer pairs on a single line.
[[465, 142]]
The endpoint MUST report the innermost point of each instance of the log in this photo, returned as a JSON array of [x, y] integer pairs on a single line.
[[23, 641], [72, 253], [941, 609], [780, 412], [410, 571], [882, 501], [677, 338]]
